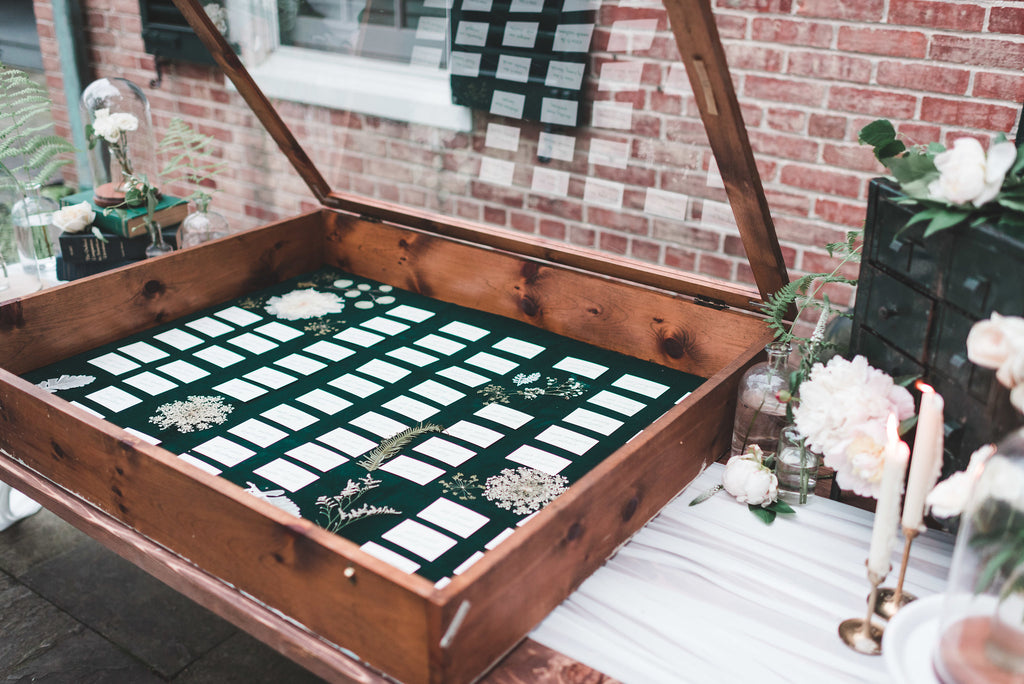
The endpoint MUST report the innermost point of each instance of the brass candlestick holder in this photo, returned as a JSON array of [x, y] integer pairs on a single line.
[[889, 601], [862, 635]]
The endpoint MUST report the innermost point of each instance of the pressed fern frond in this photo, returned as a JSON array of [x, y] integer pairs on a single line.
[[24, 130], [391, 446]]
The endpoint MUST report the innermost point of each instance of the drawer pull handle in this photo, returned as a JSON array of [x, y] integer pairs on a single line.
[[896, 245], [976, 286], [885, 312]]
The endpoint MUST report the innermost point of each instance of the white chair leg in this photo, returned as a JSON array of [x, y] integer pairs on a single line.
[[14, 506]]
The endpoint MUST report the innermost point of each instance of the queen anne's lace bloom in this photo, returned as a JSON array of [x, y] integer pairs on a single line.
[[195, 413], [523, 490], [299, 304]]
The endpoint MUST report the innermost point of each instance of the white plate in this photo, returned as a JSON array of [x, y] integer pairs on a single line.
[[909, 641]]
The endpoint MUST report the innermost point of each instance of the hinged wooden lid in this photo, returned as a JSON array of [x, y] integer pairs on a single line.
[[633, 180]]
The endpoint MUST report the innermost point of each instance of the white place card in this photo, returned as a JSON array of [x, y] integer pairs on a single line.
[[324, 401], [411, 313], [476, 5], [143, 351], [113, 398], [150, 383], [465, 64], [538, 459], [142, 435], [493, 363], [416, 471], [617, 403], [219, 356], [463, 330], [550, 181], [253, 343], [114, 363], [444, 451], [591, 420], [412, 356], [353, 384], [290, 417], [431, 28], [441, 345], [321, 458], [718, 216], [587, 369], [503, 415], [603, 193], [520, 6], [504, 103], [210, 327], [279, 331], [573, 37], [526, 519], [648, 388], [581, 5], [468, 563], [382, 370], [497, 171], [183, 371], [274, 379], [393, 559], [329, 350], [453, 517], [363, 338], [435, 391], [511, 345], [238, 316], [288, 475], [438, 4], [199, 463], [461, 375], [410, 408], [573, 442], [347, 442], [513, 68], [621, 75], [224, 451], [472, 33], [87, 409], [505, 534], [632, 35], [240, 389], [300, 364], [385, 325], [425, 56], [609, 153], [556, 146], [558, 111], [502, 137], [179, 339], [382, 426], [520, 34], [677, 82], [419, 539], [257, 432], [475, 434], [610, 114], [664, 203], [567, 75]]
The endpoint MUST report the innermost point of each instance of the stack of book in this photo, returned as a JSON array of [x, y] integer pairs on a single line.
[[83, 254]]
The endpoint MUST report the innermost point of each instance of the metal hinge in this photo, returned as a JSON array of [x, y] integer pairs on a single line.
[[711, 302]]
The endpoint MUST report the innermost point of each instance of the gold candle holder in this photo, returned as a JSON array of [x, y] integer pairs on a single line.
[[862, 635], [889, 601]]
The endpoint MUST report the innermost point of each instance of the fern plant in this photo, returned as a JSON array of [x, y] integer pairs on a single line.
[[189, 160]]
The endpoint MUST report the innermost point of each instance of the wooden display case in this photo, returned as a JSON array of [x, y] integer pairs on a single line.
[[314, 595]]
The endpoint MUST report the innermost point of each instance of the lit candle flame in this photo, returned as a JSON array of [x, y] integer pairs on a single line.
[[924, 387]]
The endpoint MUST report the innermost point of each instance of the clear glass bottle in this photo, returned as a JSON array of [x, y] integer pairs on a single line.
[[760, 411], [202, 225], [796, 467], [15, 279], [35, 234], [981, 632], [157, 246]]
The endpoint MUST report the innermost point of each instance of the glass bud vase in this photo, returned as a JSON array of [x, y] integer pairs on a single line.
[[981, 631], [760, 412], [202, 226], [36, 235], [796, 467], [157, 246]]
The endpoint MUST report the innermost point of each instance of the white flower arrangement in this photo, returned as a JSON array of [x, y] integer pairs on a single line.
[[74, 218], [842, 412], [998, 343], [301, 304], [114, 128]]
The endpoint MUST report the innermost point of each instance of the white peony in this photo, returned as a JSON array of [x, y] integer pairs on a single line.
[[74, 218], [949, 497], [749, 481], [1011, 372], [861, 469], [299, 304], [993, 341], [967, 174]]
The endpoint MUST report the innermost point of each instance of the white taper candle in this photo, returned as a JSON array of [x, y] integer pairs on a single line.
[[887, 511]]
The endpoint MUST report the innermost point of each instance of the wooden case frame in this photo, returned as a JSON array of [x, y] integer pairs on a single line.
[[311, 594]]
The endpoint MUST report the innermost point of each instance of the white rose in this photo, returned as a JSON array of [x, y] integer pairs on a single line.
[[1011, 372], [1017, 397], [967, 175], [124, 122], [74, 218], [105, 127], [949, 497], [750, 482], [992, 341]]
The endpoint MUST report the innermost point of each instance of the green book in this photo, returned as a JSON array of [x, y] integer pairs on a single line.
[[169, 211]]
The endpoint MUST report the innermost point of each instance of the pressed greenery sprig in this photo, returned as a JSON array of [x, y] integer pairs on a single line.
[[391, 446], [190, 160]]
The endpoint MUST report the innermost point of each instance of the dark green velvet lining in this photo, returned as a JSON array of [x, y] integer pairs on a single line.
[[395, 491]]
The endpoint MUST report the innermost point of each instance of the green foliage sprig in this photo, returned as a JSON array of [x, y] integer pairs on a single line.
[[391, 446], [190, 159]]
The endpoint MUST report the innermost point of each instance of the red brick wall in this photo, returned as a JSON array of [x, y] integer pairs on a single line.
[[809, 74]]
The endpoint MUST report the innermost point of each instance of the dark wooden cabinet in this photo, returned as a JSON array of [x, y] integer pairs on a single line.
[[917, 299]]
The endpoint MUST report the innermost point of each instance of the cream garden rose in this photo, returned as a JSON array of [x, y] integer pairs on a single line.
[[967, 174], [74, 218], [994, 341], [749, 480]]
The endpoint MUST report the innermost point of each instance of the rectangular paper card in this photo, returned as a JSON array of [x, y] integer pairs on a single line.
[[461, 375], [573, 37], [632, 35], [465, 64], [492, 363], [476, 5], [419, 539], [113, 363], [621, 75], [183, 371], [519, 347], [609, 153], [591, 420], [238, 316], [142, 435], [609, 114], [604, 193], [468, 563], [412, 356], [113, 398], [410, 313], [520, 34], [423, 55], [219, 356], [329, 350], [550, 182], [150, 383], [558, 112], [143, 351], [503, 415], [587, 369], [240, 389], [502, 137], [382, 370], [363, 338], [555, 146], [324, 401], [87, 409], [410, 408], [347, 442], [210, 327], [572, 442], [617, 402], [353, 384], [664, 203], [648, 388], [385, 325], [253, 343], [513, 68], [463, 330], [301, 364], [453, 517], [278, 331], [415, 471], [504, 103], [567, 75], [505, 534], [321, 458], [291, 418], [287, 475], [444, 451], [198, 463], [537, 459], [497, 171], [436, 392], [224, 451], [519, 6], [257, 432], [438, 4], [718, 216], [179, 339], [390, 557], [441, 345], [473, 33], [382, 426], [431, 28], [274, 379], [581, 5], [475, 434]]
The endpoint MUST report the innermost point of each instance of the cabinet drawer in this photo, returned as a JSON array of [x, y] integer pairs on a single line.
[[896, 312], [905, 252], [986, 274], [884, 356]]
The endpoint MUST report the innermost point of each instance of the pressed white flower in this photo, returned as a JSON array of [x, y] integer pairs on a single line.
[[74, 218], [299, 304], [275, 497], [523, 490], [195, 413]]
